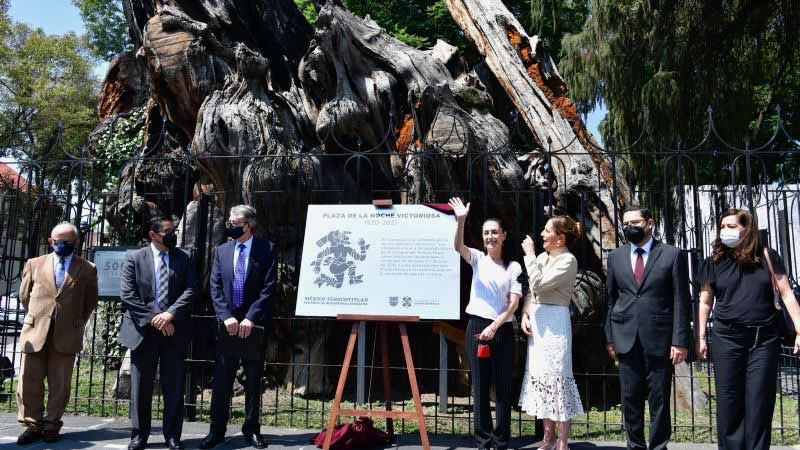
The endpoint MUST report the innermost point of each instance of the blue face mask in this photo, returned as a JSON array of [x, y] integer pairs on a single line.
[[63, 249]]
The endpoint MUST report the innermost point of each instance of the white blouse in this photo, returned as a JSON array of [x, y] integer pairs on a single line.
[[492, 284]]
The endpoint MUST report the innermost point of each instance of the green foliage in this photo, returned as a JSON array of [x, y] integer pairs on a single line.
[[675, 58], [107, 27], [411, 22], [308, 10], [420, 23], [45, 80], [117, 143]]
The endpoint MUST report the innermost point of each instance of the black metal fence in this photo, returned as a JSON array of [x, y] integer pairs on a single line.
[[111, 201]]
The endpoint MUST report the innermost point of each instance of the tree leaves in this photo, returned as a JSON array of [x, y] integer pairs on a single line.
[[106, 26], [46, 82], [675, 58]]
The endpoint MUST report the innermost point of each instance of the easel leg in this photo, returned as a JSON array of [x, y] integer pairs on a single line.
[[337, 399], [412, 378], [387, 388]]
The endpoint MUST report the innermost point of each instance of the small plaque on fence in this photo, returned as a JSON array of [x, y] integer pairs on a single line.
[[395, 261], [109, 261]]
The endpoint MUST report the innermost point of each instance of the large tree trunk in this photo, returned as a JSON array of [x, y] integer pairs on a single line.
[[531, 81], [357, 77], [277, 114]]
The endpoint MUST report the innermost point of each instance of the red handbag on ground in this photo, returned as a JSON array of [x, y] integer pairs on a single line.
[[360, 434]]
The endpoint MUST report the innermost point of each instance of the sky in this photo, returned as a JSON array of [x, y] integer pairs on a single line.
[[54, 17], [61, 16]]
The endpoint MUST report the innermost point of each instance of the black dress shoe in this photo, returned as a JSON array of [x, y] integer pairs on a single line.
[[175, 444], [211, 441], [51, 436], [137, 444], [256, 440], [29, 436]]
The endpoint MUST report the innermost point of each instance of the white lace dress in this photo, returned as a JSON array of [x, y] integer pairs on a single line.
[[548, 388]]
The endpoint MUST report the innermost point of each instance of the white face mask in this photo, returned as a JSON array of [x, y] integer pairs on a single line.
[[730, 237]]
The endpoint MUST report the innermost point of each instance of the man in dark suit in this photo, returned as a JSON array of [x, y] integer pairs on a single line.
[[157, 287], [242, 281], [647, 325]]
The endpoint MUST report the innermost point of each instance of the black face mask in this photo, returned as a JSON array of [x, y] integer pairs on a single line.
[[170, 240], [234, 232], [634, 234], [63, 249]]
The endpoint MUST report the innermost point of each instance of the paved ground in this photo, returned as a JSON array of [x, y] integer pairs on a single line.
[[108, 433]]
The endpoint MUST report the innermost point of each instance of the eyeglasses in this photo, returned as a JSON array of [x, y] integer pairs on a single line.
[[235, 224]]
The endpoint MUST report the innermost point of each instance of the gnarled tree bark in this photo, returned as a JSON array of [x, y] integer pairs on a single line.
[[277, 113]]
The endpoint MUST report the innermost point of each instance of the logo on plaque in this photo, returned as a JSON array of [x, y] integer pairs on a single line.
[[407, 302], [393, 301], [338, 258]]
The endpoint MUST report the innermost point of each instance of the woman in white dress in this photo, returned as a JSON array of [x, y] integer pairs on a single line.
[[549, 391]]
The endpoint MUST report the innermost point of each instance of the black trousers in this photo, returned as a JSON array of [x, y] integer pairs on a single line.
[[639, 373], [745, 370], [495, 370], [167, 353], [224, 375]]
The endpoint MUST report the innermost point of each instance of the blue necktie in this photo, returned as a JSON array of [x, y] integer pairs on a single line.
[[238, 279], [60, 273]]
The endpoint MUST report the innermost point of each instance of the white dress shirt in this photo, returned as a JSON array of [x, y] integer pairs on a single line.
[[646, 247], [156, 269], [248, 244]]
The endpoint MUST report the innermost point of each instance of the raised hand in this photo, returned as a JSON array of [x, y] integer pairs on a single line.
[[527, 246], [459, 209]]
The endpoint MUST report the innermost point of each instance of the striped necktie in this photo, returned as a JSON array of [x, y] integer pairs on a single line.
[[163, 283]]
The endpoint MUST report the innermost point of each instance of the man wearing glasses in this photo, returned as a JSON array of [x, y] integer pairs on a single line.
[[647, 325], [59, 293], [157, 287], [242, 281]]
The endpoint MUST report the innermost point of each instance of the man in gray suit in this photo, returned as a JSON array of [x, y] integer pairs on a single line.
[[647, 325], [156, 290]]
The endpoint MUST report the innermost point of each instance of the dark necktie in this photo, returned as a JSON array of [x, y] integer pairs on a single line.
[[238, 279], [163, 283], [638, 271]]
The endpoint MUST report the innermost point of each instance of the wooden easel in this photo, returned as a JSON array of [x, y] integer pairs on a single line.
[[417, 414], [401, 321]]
